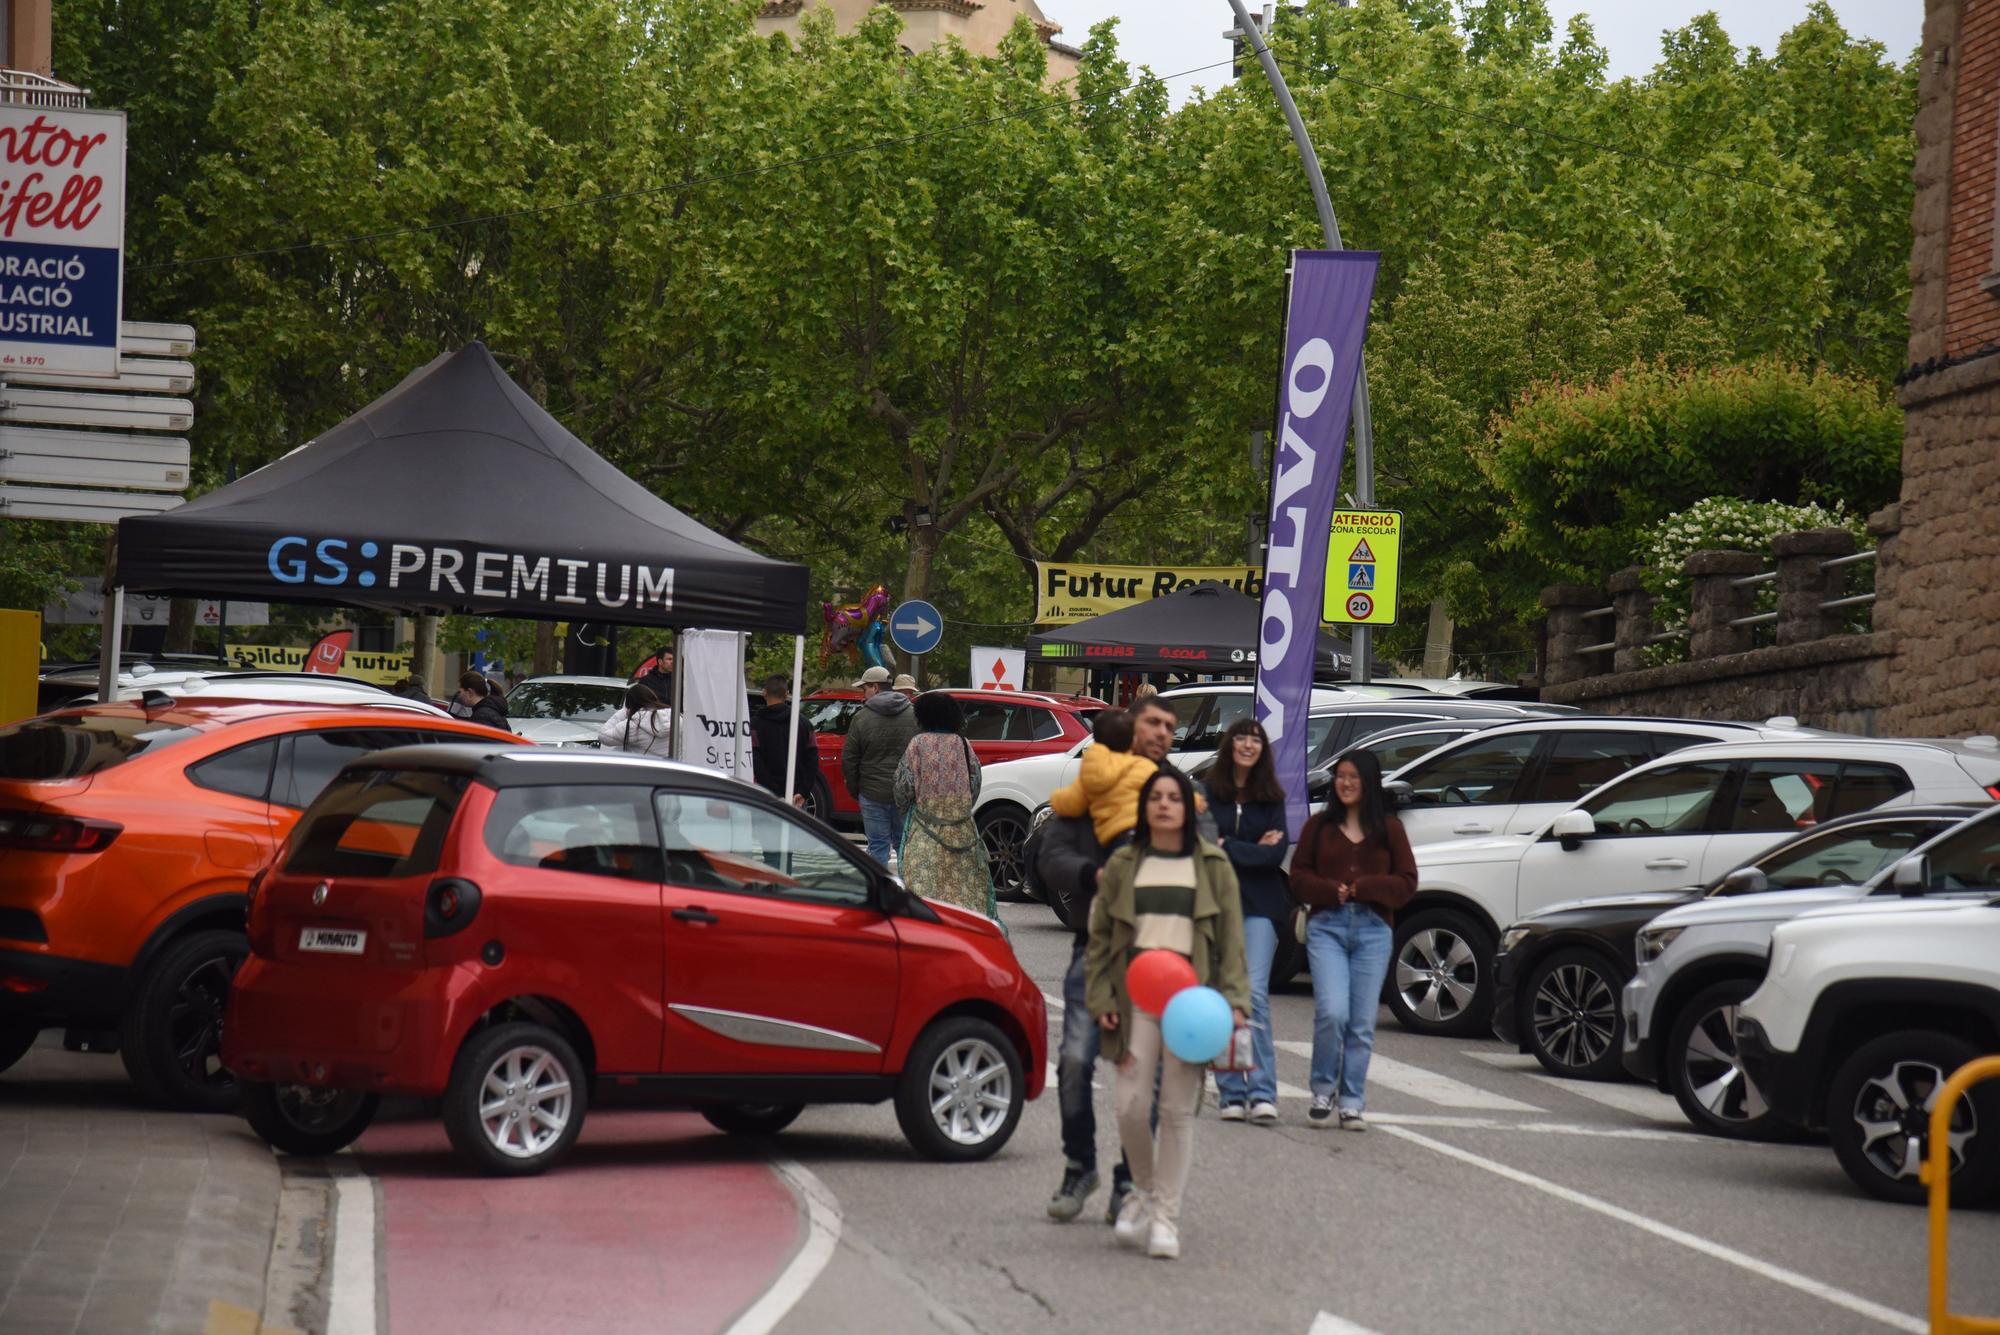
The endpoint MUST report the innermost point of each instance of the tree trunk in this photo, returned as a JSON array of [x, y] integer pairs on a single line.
[[924, 543], [423, 656], [1437, 642], [545, 648], [180, 627]]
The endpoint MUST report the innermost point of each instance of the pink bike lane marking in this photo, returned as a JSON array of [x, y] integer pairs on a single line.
[[642, 1228]]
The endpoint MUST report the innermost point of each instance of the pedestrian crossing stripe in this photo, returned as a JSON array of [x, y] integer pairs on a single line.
[[1361, 576], [1361, 552]]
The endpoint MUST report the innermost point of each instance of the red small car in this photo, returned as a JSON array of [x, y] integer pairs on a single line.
[[1001, 725], [518, 931]]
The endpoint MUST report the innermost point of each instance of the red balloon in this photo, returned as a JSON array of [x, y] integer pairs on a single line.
[[1155, 977]]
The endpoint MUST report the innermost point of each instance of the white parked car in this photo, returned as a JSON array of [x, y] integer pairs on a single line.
[[1678, 821], [1698, 961], [1516, 778], [1866, 1009], [275, 687], [563, 710]]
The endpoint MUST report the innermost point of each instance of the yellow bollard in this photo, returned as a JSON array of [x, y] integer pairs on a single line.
[[20, 663], [1937, 1173]]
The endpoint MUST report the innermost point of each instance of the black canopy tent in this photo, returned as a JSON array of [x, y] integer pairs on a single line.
[[1210, 628], [456, 492]]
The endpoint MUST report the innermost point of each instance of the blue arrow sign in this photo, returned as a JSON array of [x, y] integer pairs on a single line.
[[916, 627]]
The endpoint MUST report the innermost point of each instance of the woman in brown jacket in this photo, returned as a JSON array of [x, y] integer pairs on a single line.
[[1168, 889], [1353, 869]]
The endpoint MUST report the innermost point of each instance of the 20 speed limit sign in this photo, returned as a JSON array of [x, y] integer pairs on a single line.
[[1360, 606]]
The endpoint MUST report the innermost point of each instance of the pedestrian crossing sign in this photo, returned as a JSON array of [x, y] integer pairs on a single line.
[[1363, 561]]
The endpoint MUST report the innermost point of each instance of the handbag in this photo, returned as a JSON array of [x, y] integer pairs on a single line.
[[1239, 1057]]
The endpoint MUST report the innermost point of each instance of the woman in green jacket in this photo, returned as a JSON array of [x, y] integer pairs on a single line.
[[1167, 890]]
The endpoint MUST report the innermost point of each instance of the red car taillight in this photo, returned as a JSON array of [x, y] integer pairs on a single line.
[[450, 905], [42, 833]]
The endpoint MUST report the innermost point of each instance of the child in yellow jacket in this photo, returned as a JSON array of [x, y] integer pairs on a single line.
[[1107, 786]]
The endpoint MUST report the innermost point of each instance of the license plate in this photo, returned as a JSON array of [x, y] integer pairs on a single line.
[[334, 940]]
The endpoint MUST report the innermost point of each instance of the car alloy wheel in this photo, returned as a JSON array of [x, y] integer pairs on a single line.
[[1714, 1072], [524, 1101], [1004, 830], [1892, 1114], [302, 1120], [1573, 1016], [1437, 975], [972, 1091]]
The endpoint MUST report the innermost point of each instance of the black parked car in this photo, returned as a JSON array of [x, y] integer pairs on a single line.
[[1558, 974]]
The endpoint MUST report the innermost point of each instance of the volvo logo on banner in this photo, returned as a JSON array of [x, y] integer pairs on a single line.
[[62, 238], [1326, 320]]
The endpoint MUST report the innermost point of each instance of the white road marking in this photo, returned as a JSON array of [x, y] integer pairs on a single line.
[[1639, 1100], [1805, 1284], [822, 1234], [1055, 1003], [1429, 1086], [1507, 1061], [1326, 1323], [351, 1305]]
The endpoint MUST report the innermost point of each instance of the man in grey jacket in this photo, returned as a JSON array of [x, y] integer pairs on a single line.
[[881, 730]]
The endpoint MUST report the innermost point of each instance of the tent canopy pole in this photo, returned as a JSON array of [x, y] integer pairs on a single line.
[[110, 643], [792, 732]]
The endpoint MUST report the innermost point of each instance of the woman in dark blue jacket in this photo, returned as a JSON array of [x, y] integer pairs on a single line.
[[1249, 810]]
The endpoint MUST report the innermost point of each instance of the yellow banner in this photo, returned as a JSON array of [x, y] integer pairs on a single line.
[[1364, 560], [382, 669], [1067, 592]]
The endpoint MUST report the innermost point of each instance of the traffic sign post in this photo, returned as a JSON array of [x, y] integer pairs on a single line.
[[916, 627], [1363, 567]]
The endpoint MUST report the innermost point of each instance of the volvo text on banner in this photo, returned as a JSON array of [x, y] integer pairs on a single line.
[[1326, 320]]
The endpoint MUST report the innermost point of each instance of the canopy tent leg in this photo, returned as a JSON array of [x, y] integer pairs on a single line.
[[792, 732], [110, 642], [674, 708]]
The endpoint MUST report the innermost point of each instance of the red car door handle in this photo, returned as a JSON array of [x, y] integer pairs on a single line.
[[696, 914]]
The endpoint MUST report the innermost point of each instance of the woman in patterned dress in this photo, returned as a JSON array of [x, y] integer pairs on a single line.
[[942, 856]]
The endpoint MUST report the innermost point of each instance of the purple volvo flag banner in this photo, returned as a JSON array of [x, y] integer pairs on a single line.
[[1326, 321]]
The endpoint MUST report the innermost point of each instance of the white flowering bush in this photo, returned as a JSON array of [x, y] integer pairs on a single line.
[[1724, 523]]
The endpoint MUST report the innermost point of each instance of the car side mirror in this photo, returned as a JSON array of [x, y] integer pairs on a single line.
[[1572, 828], [1746, 881], [1320, 782], [1912, 876], [1399, 793]]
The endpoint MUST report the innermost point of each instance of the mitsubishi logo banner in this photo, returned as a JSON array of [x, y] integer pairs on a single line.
[[1327, 318]]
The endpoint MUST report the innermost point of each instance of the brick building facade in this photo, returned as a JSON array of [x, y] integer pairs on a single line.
[[1940, 590], [977, 24]]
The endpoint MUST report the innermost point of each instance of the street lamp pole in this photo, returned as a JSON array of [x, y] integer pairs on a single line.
[[1364, 424]]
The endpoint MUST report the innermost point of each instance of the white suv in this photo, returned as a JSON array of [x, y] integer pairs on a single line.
[[1516, 778], [1697, 962], [1679, 821], [1866, 1009]]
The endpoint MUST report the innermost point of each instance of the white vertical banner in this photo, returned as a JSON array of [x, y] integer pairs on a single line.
[[999, 669], [714, 721]]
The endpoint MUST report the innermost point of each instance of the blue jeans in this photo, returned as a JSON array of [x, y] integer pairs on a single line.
[[1260, 945], [1349, 950], [883, 822], [1076, 1063]]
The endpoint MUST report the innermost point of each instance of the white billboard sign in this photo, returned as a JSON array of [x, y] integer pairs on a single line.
[[999, 669], [62, 238], [83, 507]]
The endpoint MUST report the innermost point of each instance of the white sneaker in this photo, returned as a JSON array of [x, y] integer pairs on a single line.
[[1134, 1219], [1165, 1242], [1263, 1112], [1233, 1112]]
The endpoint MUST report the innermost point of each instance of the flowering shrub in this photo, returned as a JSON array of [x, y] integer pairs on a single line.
[[1724, 523]]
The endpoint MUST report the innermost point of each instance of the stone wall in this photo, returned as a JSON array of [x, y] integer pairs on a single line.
[[1940, 595], [1842, 683]]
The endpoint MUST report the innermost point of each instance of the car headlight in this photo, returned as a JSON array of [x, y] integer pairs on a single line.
[[1512, 937], [1040, 818], [1653, 941]]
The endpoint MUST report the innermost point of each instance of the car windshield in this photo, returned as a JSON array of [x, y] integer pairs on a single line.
[[1832, 857], [572, 701], [69, 746], [1968, 860]]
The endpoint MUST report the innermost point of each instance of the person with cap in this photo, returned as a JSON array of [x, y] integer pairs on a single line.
[[876, 739], [905, 685]]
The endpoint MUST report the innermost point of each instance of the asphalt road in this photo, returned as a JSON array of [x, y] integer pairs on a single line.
[[1488, 1197]]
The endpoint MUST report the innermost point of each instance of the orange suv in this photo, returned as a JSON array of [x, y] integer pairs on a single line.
[[129, 834]]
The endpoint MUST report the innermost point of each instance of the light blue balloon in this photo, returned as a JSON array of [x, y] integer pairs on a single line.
[[1197, 1024]]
